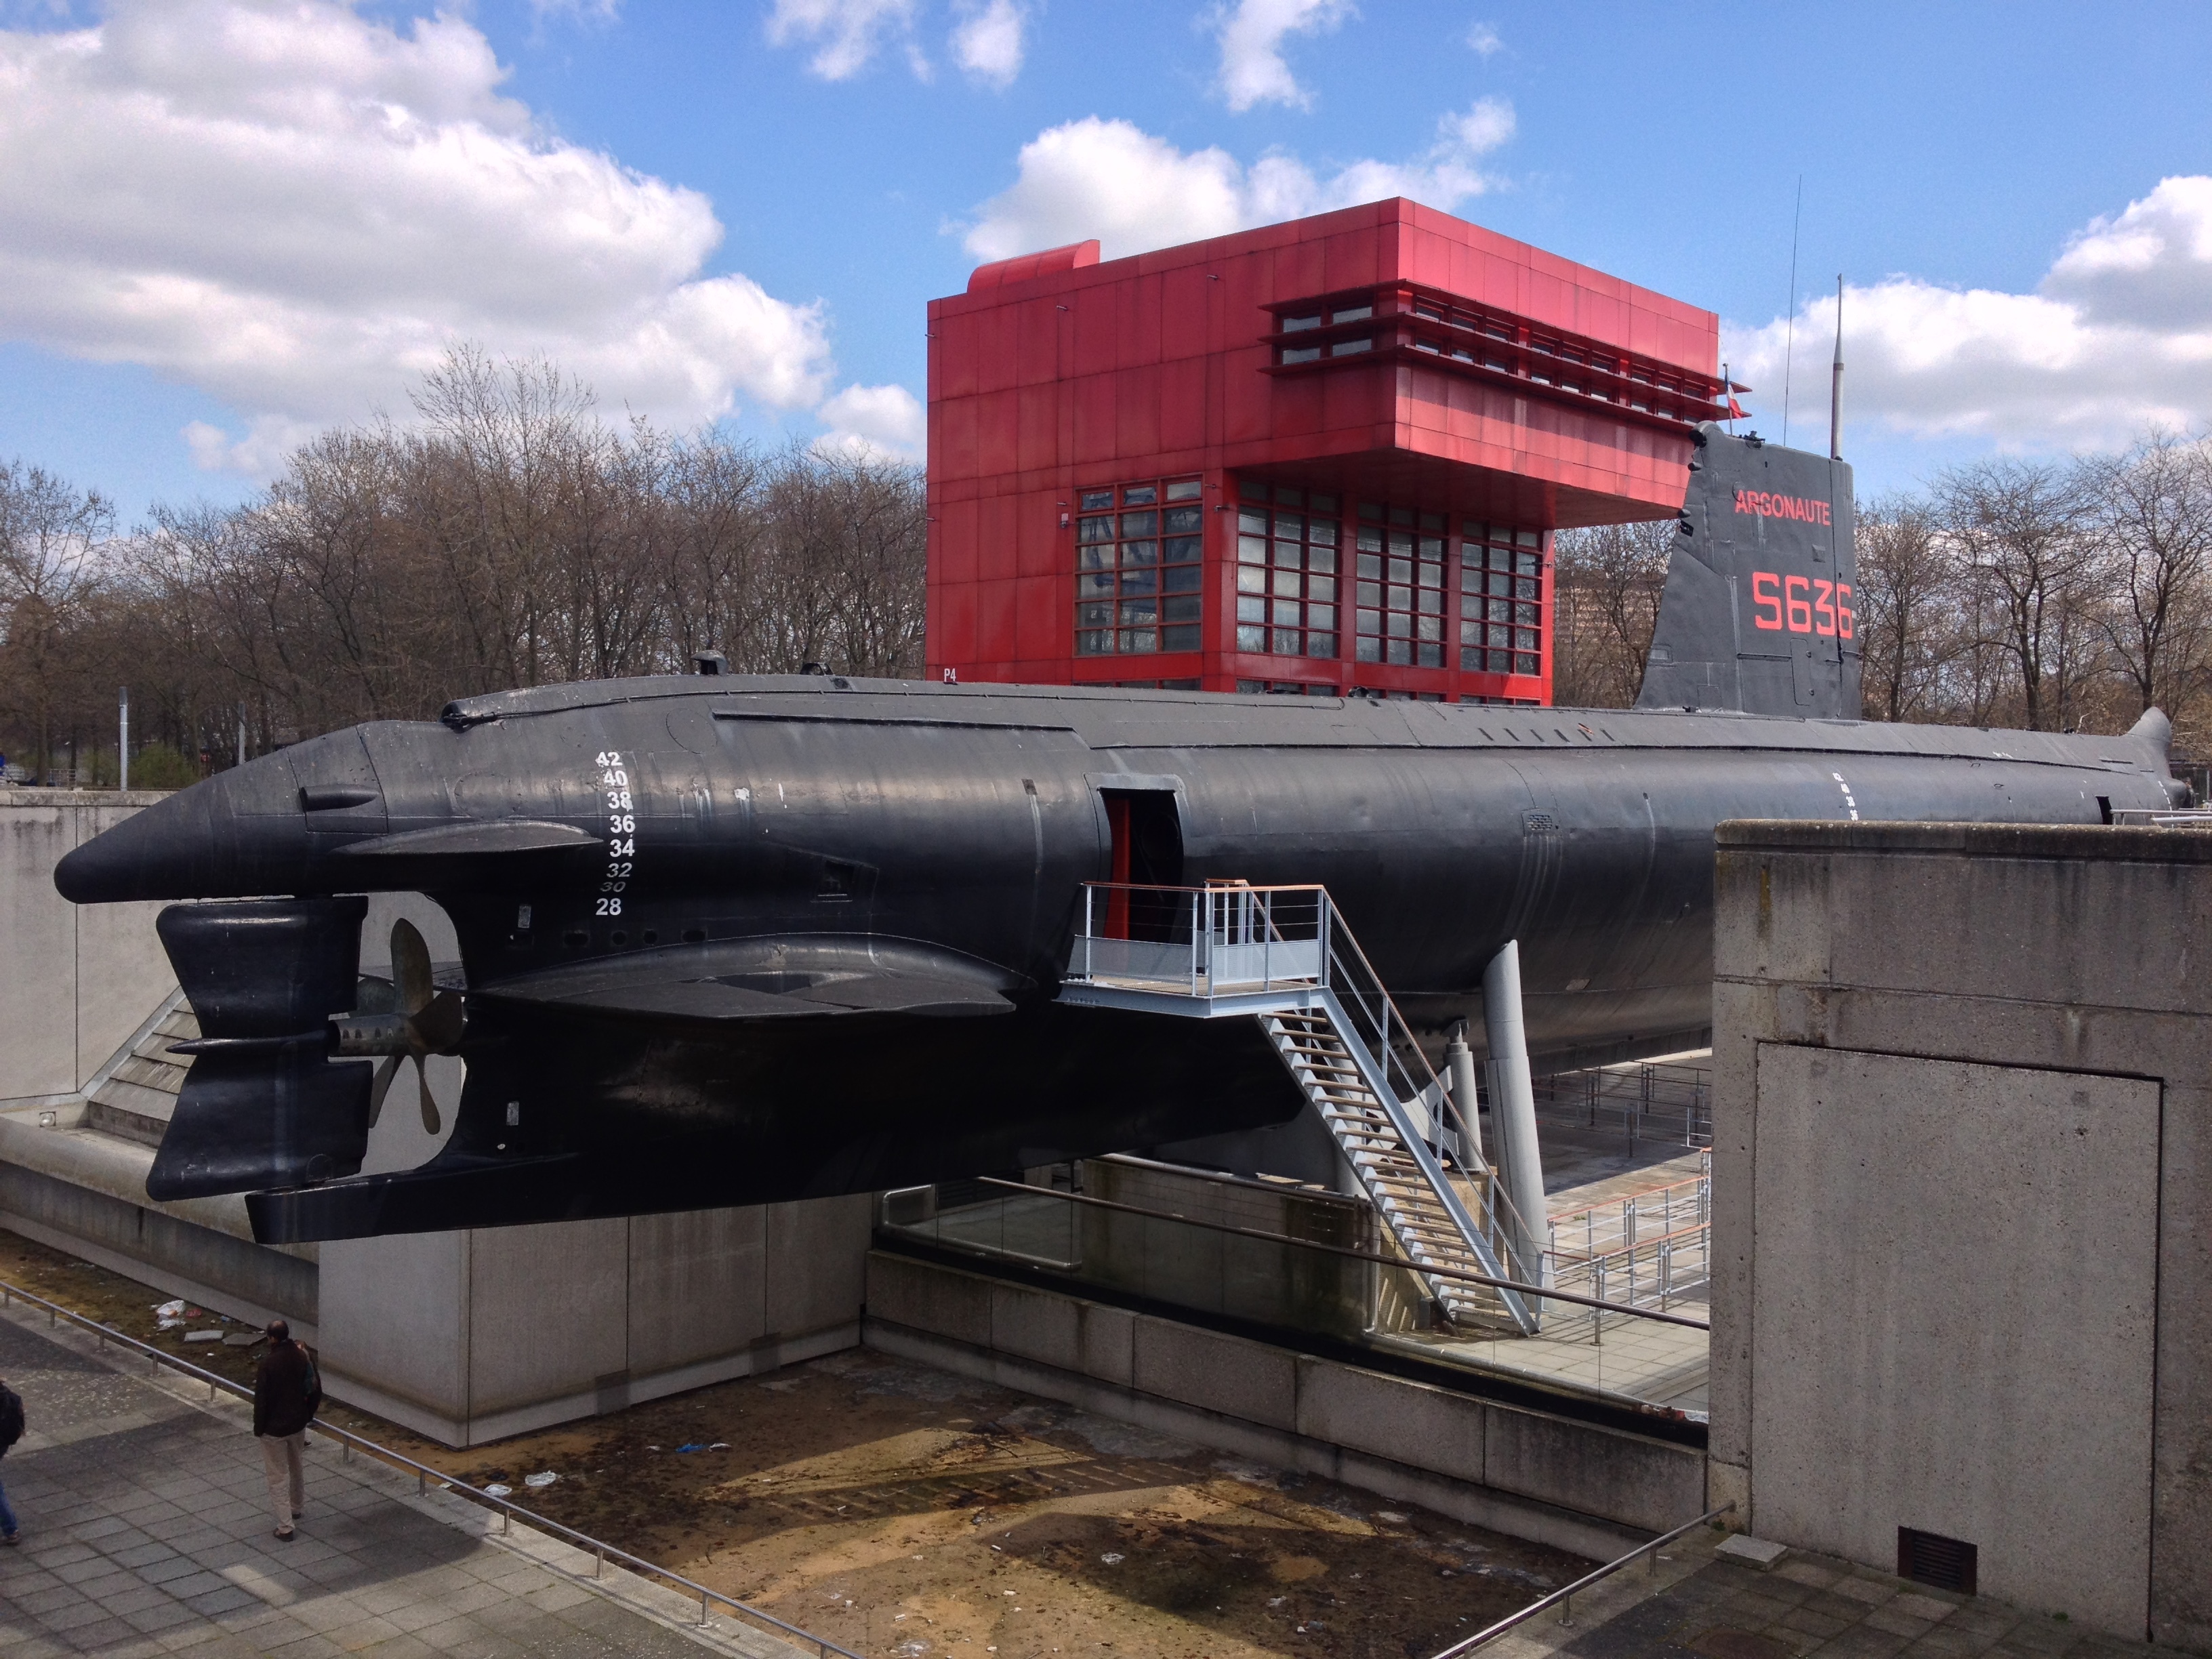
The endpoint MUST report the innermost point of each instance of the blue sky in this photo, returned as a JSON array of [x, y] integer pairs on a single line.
[[224, 224]]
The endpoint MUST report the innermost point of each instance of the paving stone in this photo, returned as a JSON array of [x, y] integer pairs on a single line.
[[1945, 1643], [1812, 1623], [100, 1635], [1799, 1570], [223, 1598], [135, 1598], [1863, 1590], [168, 1570], [163, 1615], [1893, 1616], [79, 1570], [1862, 1642], [1923, 1604], [75, 1615], [42, 1602], [150, 1538]]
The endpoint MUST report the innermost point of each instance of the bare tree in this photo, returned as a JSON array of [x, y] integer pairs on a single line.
[[1606, 589], [50, 582], [2018, 529], [1904, 595], [506, 538], [2152, 529]]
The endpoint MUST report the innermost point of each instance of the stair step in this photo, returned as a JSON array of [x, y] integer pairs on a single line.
[[166, 1074], [1419, 1222], [130, 1111]]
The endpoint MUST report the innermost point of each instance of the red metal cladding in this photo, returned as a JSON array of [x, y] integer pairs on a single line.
[[1321, 455]]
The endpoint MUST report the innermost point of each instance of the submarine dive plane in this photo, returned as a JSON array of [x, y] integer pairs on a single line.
[[728, 939]]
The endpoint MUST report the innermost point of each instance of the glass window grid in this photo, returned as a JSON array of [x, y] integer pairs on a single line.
[[1400, 574], [1501, 587], [1287, 554], [1487, 555], [1138, 548]]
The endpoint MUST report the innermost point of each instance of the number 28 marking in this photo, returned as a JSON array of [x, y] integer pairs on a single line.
[[622, 829]]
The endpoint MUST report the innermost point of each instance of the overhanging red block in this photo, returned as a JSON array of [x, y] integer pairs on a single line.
[[1055, 376]]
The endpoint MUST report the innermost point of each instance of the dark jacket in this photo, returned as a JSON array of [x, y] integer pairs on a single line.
[[284, 1398]]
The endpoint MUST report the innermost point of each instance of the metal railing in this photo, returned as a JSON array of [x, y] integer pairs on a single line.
[[1221, 939], [2171, 818], [1229, 937], [1643, 1249], [1378, 1259], [1649, 1101], [602, 1551], [1563, 1599]]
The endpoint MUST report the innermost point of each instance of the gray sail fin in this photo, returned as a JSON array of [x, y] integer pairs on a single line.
[[1759, 614]]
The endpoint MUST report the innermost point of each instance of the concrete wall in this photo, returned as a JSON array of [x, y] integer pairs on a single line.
[[1192, 1267], [1577, 1485], [470, 1336], [77, 981], [1962, 1165]]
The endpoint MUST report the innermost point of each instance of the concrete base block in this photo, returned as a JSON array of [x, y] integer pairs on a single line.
[[482, 1429], [1581, 1486], [1217, 1373], [1516, 1518], [1729, 1483], [1391, 1417], [1641, 1483]]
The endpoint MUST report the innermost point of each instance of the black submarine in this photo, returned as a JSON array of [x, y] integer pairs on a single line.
[[730, 939]]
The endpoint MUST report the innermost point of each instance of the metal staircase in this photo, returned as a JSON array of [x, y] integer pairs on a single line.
[[1283, 956]]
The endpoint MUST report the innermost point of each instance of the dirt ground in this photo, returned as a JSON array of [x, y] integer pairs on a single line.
[[901, 1510]]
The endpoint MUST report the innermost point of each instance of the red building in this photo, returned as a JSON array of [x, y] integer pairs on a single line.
[[1307, 458]]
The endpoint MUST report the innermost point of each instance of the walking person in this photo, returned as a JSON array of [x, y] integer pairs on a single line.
[[11, 1430], [287, 1394]]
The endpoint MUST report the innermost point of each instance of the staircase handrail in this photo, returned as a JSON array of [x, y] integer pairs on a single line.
[[1417, 1148], [1392, 1022], [1377, 1027]]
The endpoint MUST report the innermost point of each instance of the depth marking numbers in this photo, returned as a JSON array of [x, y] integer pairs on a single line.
[[621, 831]]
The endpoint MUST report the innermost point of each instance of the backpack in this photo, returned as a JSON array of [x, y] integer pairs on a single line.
[[11, 1416], [312, 1384]]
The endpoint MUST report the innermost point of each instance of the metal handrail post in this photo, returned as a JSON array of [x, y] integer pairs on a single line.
[[1491, 1633]]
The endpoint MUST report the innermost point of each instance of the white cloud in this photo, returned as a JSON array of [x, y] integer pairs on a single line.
[[1251, 34], [987, 42], [2150, 265], [2117, 334], [845, 33], [600, 11], [259, 454], [1136, 192], [298, 210], [1483, 40], [875, 422]]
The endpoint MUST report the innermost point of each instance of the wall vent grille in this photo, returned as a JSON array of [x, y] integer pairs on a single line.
[[1928, 1558]]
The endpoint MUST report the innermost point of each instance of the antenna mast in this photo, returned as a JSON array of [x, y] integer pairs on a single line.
[[1836, 381], [1789, 332]]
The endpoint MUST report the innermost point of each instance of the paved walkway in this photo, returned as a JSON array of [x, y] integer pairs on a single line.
[[146, 1531], [1807, 1607]]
